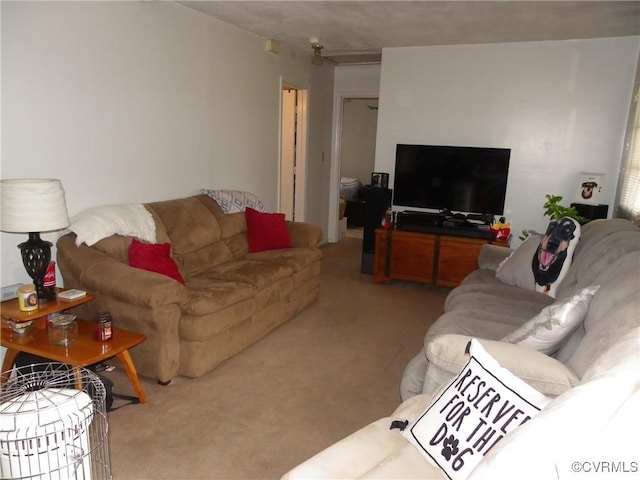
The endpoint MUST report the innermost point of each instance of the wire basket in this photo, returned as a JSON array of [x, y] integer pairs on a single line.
[[53, 424]]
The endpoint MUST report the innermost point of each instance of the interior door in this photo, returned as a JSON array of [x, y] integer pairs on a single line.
[[288, 153], [293, 154]]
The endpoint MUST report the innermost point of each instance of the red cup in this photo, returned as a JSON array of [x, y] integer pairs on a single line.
[[501, 233]]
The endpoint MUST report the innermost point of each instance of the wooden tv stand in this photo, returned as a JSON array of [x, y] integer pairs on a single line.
[[440, 257]]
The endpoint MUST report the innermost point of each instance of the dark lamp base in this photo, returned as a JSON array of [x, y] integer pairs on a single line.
[[46, 295], [36, 255]]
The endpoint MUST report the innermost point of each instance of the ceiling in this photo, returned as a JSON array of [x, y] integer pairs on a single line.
[[357, 31]]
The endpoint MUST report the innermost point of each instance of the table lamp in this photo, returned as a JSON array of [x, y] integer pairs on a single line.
[[32, 206]]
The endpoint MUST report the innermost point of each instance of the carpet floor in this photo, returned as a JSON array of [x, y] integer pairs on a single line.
[[326, 373]]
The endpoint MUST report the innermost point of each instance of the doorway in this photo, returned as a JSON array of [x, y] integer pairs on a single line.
[[293, 153], [357, 158]]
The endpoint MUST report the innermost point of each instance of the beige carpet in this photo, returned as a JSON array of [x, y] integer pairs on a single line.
[[329, 371]]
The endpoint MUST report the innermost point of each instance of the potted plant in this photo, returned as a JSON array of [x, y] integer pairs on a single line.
[[555, 211]]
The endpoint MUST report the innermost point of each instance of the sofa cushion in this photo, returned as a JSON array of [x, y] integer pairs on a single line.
[[491, 256], [482, 275], [486, 324], [475, 411], [154, 258], [206, 323], [116, 246], [542, 372], [493, 302], [595, 258], [612, 313], [554, 324], [253, 272], [554, 254], [600, 229], [208, 295], [490, 298], [194, 233], [266, 231], [374, 451], [515, 270], [295, 258]]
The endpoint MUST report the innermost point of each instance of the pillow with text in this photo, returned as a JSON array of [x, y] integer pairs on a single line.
[[481, 405]]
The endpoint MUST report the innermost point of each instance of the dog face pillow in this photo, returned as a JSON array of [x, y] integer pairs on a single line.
[[553, 256]]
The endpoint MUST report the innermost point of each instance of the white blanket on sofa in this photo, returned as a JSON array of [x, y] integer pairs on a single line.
[[128, 219]]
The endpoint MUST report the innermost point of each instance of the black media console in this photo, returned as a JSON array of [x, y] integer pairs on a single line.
[[473, 226]]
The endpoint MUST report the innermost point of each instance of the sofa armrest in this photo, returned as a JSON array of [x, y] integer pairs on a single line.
[[544, 373], [492, 255], [374, 451], [304, 234], [94, 271], [413, 407]]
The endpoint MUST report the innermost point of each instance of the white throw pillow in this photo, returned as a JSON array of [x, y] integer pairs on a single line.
[[474, 412], [548, 330], [554, 254], [129, 219]]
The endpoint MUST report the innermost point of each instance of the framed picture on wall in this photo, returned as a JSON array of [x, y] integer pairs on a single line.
[[590, 188], [380, 180]]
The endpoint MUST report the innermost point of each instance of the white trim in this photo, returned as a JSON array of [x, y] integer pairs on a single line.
[[278, 198], [302, 148]]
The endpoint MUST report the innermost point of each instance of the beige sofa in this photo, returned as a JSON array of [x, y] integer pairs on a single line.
[[492, 303], [585, 432], [592, 381], [231, 298]]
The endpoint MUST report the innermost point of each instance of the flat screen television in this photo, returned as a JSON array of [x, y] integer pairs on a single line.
[[459, 179]]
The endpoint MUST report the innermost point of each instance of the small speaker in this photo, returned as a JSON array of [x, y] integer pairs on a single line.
[[376, 202], [368, 260], [591, 212]]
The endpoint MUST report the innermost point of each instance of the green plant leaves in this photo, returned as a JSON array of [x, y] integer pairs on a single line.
[[555, 211]]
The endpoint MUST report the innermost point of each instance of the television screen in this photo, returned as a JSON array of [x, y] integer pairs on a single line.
[[460, 179]]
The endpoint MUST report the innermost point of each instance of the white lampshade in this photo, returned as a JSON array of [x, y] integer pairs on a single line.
[[32, 205]]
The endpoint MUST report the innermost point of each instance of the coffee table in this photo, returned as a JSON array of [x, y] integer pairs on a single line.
[[84, 351]]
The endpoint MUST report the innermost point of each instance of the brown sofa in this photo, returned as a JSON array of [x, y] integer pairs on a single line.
[[231, 298]]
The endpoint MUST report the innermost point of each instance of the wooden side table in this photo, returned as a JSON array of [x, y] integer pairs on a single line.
[[10, 308], [84, 351]]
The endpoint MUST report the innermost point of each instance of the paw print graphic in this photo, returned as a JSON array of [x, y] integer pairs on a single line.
[[449, 447]]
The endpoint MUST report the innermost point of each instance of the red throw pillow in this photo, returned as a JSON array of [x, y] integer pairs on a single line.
[[154, 257], [266, 231]]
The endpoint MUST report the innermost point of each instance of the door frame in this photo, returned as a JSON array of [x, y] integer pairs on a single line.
[[336, 143]]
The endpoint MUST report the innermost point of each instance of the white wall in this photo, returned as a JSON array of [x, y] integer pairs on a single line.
[[319, 145], [560, 106], [358, 140], [139, 102]]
